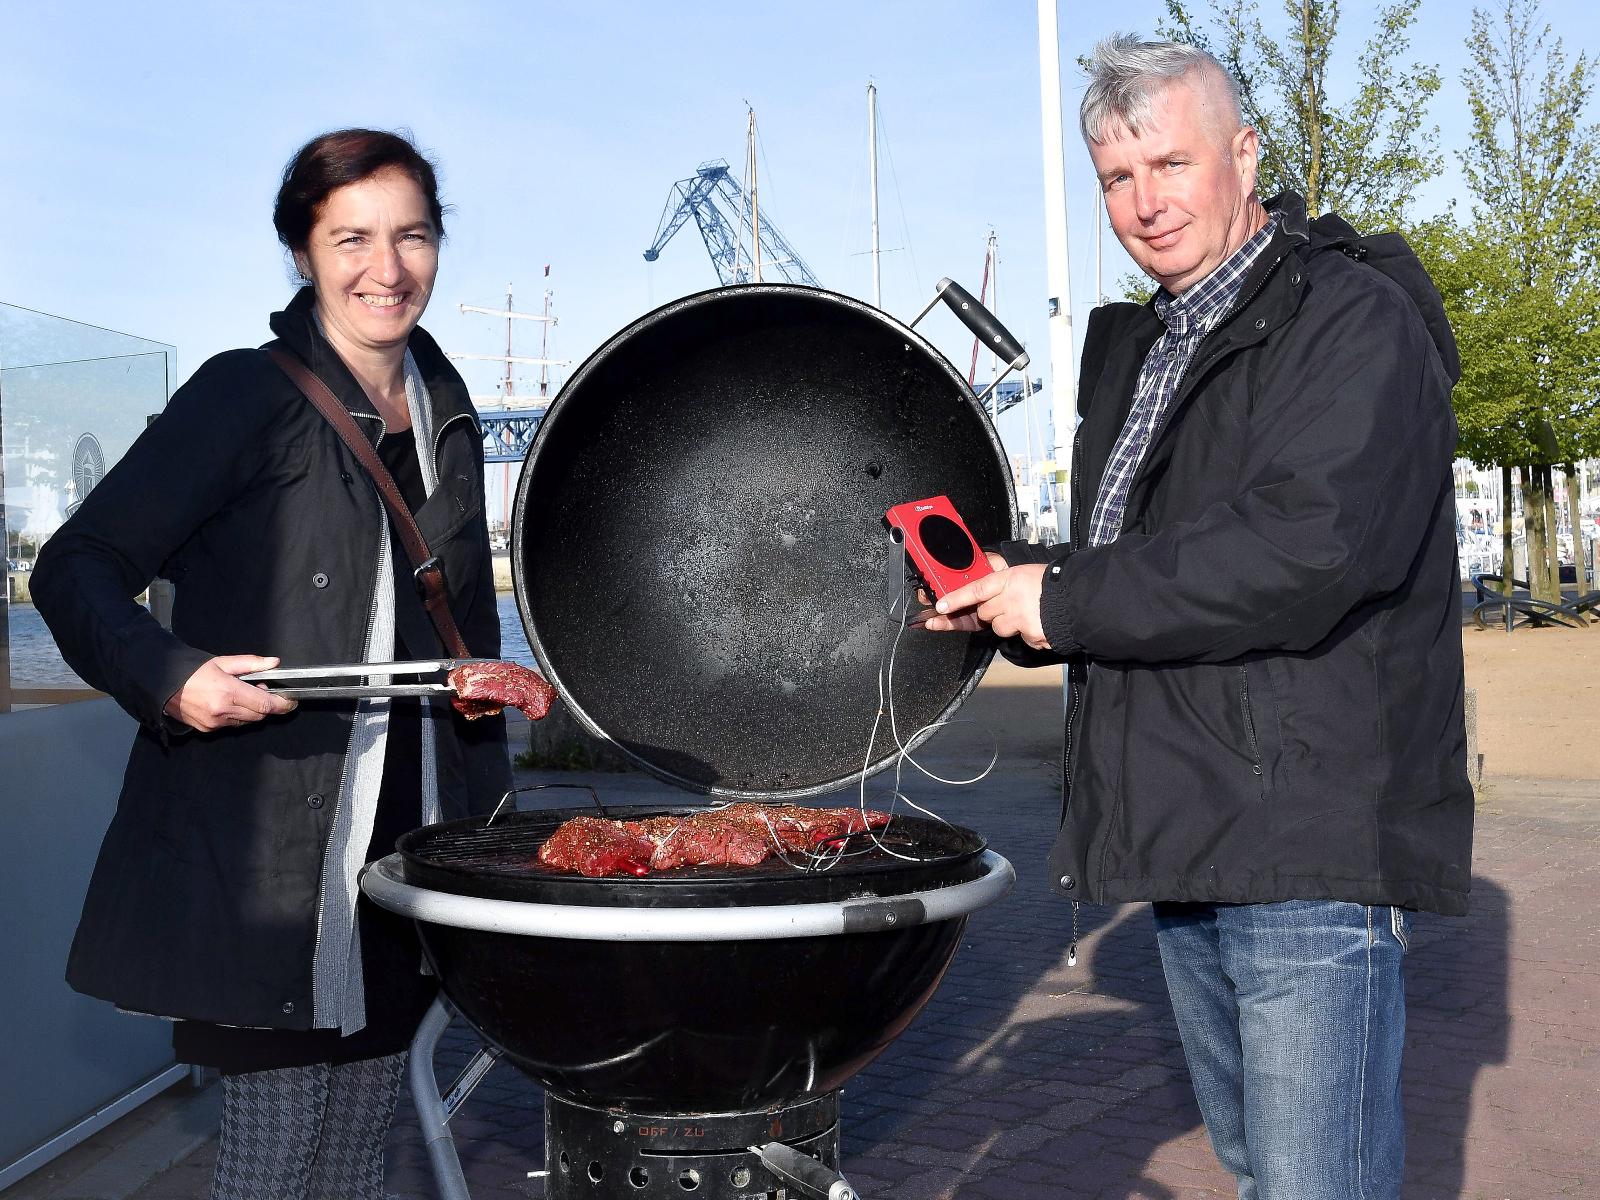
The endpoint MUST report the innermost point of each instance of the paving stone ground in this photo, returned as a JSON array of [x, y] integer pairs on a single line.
[[1026, 1078]]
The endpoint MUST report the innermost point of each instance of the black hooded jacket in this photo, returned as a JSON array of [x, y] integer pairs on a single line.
[[203, 903], [1265, 672]]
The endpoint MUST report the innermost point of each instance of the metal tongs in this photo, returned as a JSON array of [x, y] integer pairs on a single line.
[[323, 683]]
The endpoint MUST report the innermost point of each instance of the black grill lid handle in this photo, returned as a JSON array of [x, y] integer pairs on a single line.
[[804, 1173], [984, 324]]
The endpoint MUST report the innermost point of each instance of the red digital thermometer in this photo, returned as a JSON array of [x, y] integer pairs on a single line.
[[944, 551]]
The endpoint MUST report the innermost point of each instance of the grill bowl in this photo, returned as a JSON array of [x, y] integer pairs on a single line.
[[687, 992]]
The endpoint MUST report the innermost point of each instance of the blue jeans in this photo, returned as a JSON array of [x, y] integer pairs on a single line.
[[1293, 1019]]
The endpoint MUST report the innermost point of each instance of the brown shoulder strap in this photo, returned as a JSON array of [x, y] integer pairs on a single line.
[[426, 569]]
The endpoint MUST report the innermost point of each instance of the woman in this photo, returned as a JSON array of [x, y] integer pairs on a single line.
[[225, 892]]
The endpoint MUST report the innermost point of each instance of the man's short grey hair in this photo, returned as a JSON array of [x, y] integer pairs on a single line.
[[1127, 76]]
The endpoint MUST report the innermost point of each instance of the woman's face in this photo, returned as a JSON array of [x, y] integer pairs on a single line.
[[372, 256]]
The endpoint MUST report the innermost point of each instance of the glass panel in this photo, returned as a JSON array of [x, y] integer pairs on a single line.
[[72, 399]]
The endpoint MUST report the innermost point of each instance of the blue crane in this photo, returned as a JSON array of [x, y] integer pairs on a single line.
[[719, 207]]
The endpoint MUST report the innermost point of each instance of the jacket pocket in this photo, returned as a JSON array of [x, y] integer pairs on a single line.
[[455, 503], [1258, 713], [1252, 738]]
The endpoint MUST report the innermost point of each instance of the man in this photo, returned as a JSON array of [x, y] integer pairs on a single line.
[[1258, 605]]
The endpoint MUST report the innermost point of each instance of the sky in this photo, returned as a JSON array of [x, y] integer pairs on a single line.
[[141, 146]]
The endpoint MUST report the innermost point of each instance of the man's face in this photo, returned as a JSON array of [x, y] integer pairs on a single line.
[[1180, 195]]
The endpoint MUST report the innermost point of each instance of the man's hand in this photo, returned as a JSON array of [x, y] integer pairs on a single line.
[[213, 698], [1006, 601]]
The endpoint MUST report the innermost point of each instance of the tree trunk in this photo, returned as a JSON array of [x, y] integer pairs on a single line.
[[1552, 528], [1533, 529], [1585, 579], [1313, 111], [1508, 551]]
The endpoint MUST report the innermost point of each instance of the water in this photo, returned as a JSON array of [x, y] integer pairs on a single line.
[[35, 661], [513, 640]]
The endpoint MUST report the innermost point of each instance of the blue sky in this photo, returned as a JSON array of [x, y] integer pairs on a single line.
[[142, 145]]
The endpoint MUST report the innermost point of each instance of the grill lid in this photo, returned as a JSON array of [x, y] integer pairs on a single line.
[[698, 541], [499, 862]]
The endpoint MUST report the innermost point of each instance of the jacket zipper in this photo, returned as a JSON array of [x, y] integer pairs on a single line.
[[1250, 730], [344, 767], [1072, 684]]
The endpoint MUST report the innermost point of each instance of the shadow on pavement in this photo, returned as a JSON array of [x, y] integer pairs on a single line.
[[1457, 1023]]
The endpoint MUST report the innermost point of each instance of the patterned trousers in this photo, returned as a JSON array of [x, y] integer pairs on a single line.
[[307, 1133]]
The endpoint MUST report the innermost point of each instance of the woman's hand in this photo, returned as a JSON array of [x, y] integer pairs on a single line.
[[213, 697]]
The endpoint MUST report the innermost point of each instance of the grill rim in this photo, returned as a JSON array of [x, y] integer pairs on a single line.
[[383, 883]]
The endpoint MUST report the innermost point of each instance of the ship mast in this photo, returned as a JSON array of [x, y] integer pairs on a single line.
[[508, 397], [507, 423], [872, 160], [750, 187]]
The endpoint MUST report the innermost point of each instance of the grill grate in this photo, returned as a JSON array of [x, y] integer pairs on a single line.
[[507, 840], [511, 844]]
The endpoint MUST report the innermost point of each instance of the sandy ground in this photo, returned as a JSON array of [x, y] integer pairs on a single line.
[[1537, 692]]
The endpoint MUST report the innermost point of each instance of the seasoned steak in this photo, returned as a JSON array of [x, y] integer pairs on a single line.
[[739, 835], [704, 840], [594, 847], [483, 689]]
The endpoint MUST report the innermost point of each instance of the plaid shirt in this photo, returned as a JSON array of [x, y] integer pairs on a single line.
[[1188, 318]]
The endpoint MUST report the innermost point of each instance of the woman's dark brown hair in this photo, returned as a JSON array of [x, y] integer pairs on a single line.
[[334, 160]]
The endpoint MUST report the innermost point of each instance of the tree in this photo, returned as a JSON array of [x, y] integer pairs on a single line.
[[1362, 158], [1522, 281]]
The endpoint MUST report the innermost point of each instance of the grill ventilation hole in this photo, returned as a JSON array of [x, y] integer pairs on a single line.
[[596, 1171], [639, 1177], [689, 1180], [566, 1163]]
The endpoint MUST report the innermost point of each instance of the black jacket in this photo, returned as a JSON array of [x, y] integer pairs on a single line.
[[203, 900], [1265, 673]]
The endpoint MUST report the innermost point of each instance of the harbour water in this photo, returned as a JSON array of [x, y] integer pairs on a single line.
[[35, 661]]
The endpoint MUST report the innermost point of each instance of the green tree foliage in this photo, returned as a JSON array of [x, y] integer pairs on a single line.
[[1522, 279], [1361, 158]]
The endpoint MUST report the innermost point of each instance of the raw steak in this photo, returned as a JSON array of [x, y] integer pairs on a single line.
[[483, 689], [739, 835], [594, 847]]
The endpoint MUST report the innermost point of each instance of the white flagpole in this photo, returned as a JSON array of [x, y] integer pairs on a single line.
[[1063, 371]]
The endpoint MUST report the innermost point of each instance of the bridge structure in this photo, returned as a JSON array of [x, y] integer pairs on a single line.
[[508, 432]]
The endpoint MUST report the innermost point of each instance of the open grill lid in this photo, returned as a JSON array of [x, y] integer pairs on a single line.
[[499, 862], [698, 545]]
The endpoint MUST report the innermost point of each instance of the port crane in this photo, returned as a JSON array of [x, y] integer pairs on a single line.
[[744, 245]]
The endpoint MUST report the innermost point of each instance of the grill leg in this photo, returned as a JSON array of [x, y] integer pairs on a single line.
[[432, 1113]]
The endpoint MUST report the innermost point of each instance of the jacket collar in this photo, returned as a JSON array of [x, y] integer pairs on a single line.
[[296, 326], [1292, 220], [1292, 232]]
